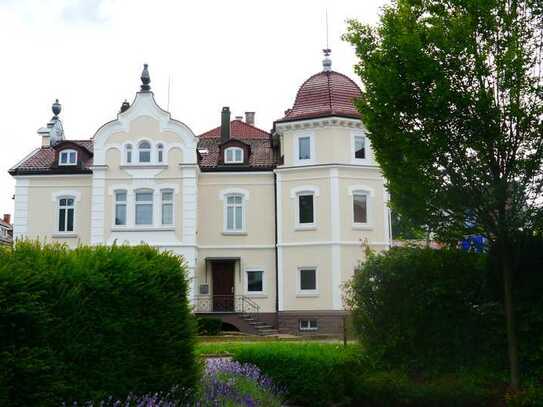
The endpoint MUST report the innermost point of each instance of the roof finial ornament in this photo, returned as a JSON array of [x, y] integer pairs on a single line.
[[145, 79], [327, 62], [56, 108]]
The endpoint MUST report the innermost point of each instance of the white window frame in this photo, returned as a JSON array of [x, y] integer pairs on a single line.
[[243, 205], [308, 328], [312, 158], [144, 150], [58, 208], [295, 194], [255, 269], [148, 190], [160, 153], [162, 203], [128, 151], [367, 149], [362, 190], [115, 204], [233, 160], [67, 153], [307, 293]]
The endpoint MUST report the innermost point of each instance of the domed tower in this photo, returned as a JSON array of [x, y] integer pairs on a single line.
[[331, 200]]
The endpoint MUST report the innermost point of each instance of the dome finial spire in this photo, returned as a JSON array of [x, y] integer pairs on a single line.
[[327, 62], [145, 79]]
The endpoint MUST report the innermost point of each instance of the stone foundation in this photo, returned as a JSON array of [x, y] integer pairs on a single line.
[[328, 322]]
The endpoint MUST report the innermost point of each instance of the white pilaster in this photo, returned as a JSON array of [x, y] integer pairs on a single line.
[[20, 217], [336, 237], [98, 205], [280, 277]]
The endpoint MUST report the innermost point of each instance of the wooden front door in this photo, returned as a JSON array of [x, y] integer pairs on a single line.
[[223, 286]]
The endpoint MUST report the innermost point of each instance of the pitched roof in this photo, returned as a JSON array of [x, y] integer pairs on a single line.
[[41, 161], [260, 142], [238, 130], [327, 93]]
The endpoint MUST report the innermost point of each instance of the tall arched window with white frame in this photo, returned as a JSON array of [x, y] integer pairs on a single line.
[[66, 214], [160, 152], [144, 152], [128, 153]]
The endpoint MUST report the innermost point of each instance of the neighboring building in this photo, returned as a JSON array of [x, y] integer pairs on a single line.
[[270, 224], [6, 231]]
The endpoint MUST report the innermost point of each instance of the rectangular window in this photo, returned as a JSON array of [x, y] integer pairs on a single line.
[[304, 148], [305, 207], [144, 208], [308, 325], [120, 208], [167, 207], [308, 279], [254, 281], [359, 147], [66, 215], [234, 213], [68, 157], [360, 208]]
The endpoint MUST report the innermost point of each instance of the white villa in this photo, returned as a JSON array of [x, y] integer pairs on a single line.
[[270, 224]]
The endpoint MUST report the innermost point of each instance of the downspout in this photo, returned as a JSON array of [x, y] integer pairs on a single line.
[[276, 248]]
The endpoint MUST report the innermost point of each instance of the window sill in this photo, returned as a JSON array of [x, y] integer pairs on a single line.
[[226, 233], [307, 295], [62, 235], [302, 227], [142, 165], [361, 226], [143, 228], [308, 329]]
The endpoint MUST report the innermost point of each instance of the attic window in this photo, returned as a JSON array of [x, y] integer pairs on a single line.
[[233, 155], [67, 157]]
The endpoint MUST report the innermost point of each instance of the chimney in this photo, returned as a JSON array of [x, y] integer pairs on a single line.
[[225, 124], [239, 118], [7, 218], [250, 118]]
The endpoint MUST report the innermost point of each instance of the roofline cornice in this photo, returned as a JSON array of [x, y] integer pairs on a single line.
[[329, 121]]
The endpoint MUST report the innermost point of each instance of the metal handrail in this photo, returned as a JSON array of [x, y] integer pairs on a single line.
[[225, 304]]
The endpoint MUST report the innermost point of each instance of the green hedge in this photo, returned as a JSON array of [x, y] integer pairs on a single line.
[[209, 326], [92, 322], [428, 310], [327, 374]]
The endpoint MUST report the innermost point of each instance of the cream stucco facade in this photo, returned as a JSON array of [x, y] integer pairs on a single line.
[[164, 198]]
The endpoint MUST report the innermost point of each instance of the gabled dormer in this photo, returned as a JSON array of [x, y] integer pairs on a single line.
[[70, 155]]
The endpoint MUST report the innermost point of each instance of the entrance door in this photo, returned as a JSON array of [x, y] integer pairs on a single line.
[[223, 286]]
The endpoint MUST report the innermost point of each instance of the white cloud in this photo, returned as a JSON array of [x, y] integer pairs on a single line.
[[249, 55]]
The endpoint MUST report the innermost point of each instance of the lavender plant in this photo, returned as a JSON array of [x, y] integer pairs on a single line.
[[224, 383]]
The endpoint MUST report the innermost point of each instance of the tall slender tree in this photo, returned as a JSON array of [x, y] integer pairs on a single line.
[[453, 103]]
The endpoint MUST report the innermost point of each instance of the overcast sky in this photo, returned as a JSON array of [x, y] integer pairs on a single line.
[[247, 54]]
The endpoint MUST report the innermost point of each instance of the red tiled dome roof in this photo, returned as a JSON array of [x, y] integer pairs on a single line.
[[327, 93]]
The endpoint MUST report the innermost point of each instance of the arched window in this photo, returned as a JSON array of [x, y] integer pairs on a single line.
[[160, 152], [67, 157], [144, 151], [233, 155], [128, 152]]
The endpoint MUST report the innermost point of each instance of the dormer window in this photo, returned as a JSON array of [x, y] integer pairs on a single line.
[[144, 151], [67, 157], [233, 155]]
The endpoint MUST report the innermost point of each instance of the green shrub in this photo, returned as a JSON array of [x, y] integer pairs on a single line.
[[209, 326], [315, 373], [529, 396], [92, 322], [427, 309]]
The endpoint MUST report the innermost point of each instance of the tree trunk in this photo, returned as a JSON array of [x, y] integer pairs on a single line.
[[512, 343]]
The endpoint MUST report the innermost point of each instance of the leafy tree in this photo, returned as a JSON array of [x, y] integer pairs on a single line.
[[453, 102]]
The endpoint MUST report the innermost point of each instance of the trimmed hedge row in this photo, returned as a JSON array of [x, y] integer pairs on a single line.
[[92, 322], [325, 374]]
